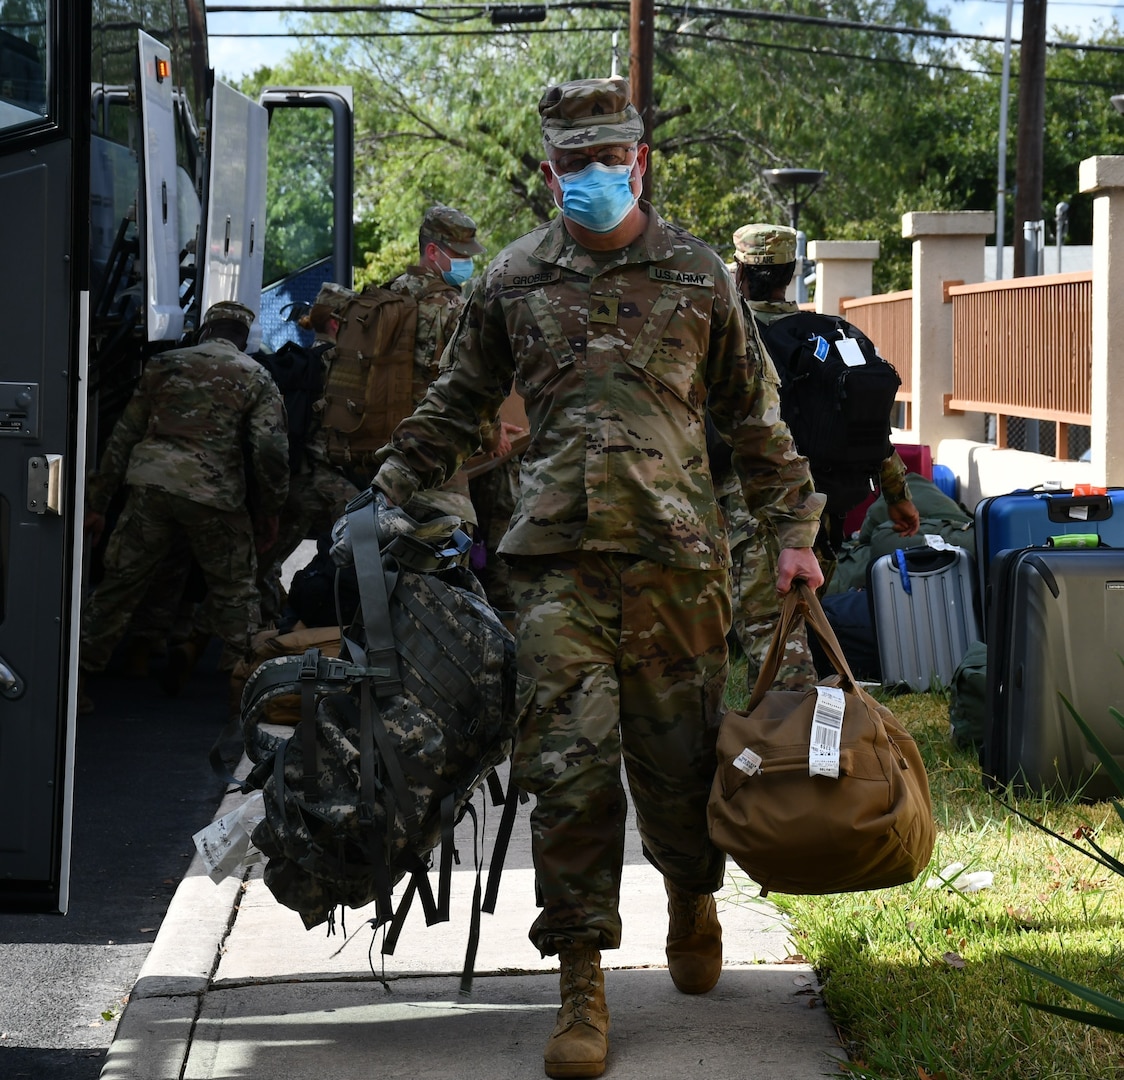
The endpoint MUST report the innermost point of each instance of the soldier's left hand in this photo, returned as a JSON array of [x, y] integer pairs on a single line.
[[507, 433], [905, 517], [793, 563]]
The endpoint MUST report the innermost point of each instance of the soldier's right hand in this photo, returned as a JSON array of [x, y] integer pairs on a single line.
[[93, 525]]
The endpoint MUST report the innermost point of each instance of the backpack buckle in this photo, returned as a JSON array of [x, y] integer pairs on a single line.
[[310, 663], [336, 670]]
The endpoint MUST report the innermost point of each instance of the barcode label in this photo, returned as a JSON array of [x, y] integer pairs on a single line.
[[827, 724]]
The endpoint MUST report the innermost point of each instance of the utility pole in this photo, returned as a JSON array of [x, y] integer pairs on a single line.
[[1032, 117], [641, 49]]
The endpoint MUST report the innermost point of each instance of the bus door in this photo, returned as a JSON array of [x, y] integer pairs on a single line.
[[44, 303]]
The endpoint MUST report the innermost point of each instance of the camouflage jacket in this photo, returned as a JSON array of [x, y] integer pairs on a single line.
[[892, 474], [200, 418], [616, 355], [439, 306]]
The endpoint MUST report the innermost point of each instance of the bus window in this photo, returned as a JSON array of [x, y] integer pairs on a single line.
[[23, 63]]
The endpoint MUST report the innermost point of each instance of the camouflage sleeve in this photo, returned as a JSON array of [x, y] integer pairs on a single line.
[[130, 428], [744, 399], [477, 371], [268, 441], [892, 479]]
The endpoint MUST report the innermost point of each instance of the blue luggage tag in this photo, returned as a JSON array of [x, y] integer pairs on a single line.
[[903, 571], [823, 347]]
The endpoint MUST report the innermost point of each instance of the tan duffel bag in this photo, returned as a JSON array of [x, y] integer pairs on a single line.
[[819, 790], [269, 643]]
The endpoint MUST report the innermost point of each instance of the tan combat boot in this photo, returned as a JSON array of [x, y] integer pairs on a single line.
[[694, 940], [579, 1042]]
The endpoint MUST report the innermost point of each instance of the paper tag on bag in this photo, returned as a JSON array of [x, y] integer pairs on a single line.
[[748, 762], [827, 723], [851, 352], [223, 844]]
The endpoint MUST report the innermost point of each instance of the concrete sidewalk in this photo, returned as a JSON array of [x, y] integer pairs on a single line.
[[234, 988]]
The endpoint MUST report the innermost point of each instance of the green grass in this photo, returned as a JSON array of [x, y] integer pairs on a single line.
[[919, 981]]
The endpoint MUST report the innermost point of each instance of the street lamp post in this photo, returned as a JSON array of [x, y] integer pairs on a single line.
[[796, 187]]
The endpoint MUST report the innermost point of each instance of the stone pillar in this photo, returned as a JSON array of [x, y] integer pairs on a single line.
[[1103, 177], [844, 269], [948, 248]]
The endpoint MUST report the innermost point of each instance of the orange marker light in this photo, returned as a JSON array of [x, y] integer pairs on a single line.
[[163, 69]]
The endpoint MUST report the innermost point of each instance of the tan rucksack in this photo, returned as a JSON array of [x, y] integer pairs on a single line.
[[369, 387]]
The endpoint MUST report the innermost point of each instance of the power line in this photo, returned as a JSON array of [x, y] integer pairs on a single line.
[[683, 12], [772, 45], [888, 60]]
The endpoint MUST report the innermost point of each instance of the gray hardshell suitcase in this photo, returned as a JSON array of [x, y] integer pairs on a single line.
[[925, 614], [1055, 626]]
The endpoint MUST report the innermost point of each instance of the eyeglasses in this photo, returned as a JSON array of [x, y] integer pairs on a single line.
[[610, 156]]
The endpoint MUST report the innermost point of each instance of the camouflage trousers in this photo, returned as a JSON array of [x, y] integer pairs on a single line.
[[315, 501], [152, 520], [753, 588], [630, 661]]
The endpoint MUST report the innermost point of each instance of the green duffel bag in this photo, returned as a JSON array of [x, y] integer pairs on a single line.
[[967, 704]]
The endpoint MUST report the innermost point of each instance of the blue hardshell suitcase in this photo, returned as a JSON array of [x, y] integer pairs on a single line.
[[1056, 626], [1031, 518], [925, 614]]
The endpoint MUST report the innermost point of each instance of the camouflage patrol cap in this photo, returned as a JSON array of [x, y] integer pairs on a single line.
[[456, 232], [589, 112], [333, 296], [765, 245], [229, 311]]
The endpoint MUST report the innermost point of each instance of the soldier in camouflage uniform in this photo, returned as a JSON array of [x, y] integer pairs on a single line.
[[766, 262], [446, 246], [179, 446], [617, 328]]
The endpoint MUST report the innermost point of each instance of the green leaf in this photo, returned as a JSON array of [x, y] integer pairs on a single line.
[[1110, 1005], [1097, 1020]]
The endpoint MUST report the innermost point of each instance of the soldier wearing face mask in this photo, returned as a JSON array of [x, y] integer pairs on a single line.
[[446, 246], [620, 331]]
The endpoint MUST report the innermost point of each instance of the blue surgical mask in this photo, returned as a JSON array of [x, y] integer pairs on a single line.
[[460, 270], [599, 197]]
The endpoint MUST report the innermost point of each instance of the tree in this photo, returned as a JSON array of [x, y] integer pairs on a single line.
[[900, 122]]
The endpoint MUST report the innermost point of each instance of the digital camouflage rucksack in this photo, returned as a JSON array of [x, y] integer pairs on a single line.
[[837, 394], [395, 737]]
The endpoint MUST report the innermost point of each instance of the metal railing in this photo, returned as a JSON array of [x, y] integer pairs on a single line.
[[1023, 348]]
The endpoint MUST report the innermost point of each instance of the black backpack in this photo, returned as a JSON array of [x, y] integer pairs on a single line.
[[299, 375], [395, 737], [838, 411]]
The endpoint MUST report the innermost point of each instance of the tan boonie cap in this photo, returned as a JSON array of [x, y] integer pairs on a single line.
[[456, 232], [590, 112], [333, 296], [764, 245], [229, 311]]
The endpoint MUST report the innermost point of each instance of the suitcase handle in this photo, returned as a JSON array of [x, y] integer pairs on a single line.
[[922, 559], [1061, 508]]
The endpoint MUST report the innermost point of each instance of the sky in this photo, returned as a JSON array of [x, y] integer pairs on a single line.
[[233, 58]]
